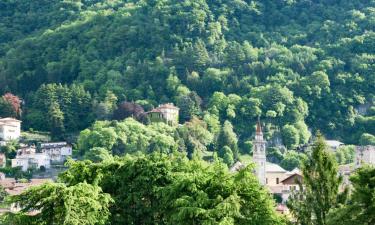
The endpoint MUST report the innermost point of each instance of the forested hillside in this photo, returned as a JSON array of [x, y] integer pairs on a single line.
[[290, 62]]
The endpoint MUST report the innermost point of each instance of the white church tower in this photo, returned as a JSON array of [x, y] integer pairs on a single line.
[[259, 154]]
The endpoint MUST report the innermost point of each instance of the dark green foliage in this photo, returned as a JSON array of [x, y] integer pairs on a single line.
[[173, 190], [286, 61], [60, 108]]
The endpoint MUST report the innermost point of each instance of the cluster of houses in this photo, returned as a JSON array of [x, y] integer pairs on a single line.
[[276, 179], [28, 157], [50, 153], [282, 182]]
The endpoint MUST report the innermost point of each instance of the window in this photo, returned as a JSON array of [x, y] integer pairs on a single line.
[[277, 180], [266, 180]]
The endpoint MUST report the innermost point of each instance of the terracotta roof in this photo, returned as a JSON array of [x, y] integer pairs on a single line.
[[14, 188], [155, 110], [7, 182]]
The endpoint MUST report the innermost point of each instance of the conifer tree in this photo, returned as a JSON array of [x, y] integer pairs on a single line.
[[319, 191]]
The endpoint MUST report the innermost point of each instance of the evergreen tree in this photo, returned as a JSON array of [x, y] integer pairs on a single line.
[[320, 187], [55, 119]]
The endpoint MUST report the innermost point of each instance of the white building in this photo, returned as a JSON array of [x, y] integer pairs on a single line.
[[57, 151], [259, 155], [10, 129], [28, 158], [364, 155], [333, 144]]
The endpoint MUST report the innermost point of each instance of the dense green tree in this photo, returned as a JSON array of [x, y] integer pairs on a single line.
[[97, 154], [173, 190], [58, 204], [290, 136], [292, 159], [319, 191], [227, 137]]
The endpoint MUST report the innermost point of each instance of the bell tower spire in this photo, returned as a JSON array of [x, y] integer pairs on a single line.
[[259, 154]]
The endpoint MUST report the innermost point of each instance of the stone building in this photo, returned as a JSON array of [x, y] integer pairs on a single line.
[[167, 113], [259, 154]]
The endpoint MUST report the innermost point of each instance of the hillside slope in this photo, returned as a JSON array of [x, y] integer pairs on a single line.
[[288, 61]]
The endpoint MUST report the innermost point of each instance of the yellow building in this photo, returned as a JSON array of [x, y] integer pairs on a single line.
[[167, 113]]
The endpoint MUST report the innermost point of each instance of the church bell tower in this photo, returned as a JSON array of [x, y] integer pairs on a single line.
[[259, 155]]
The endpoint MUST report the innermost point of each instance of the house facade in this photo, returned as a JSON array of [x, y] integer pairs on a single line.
[[27, 158], [58, 152], [167, 113], [10, 129]]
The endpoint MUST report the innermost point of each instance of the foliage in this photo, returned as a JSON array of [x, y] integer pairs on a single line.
[[97, 154], [292, 159], [367, 139], [319, 191], [228, 138], [164, 189], [58, 204], [345, 154], [360, 207], [3, 194], [290, 136], [289, 62], [129, 109]]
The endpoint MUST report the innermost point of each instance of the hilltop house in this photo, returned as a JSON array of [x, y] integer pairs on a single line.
[[58, 152], [10, 129], [167, 113]]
